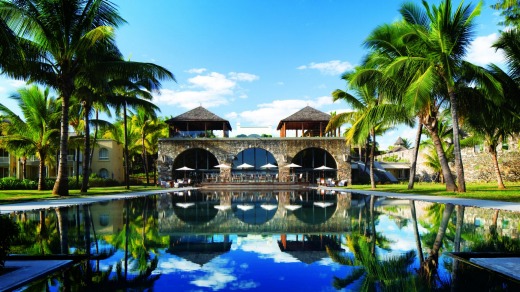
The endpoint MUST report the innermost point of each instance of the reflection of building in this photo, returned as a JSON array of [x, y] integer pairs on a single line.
[[199, 249], [310, 148], [310, 248]]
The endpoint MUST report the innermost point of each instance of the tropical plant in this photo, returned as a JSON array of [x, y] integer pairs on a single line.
[[56, 37], [440, 38], [38, 133], [377, 274]]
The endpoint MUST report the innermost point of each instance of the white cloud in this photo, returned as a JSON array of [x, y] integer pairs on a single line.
[[481, 53], [270, 114], [280, 83], [209, 90], [196, 70], [333, 67], [243, 76]]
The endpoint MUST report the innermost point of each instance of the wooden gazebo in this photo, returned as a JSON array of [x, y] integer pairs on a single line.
[[198, 119], [309, 121]]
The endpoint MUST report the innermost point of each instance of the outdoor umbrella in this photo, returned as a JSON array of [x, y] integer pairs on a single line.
[[323, 168], [244, 166], [185, 168], [268, 166], [222, 165], [292, 165]]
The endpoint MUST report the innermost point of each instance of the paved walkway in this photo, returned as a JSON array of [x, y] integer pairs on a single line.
[[500, 205], [73, 201], [27, 271]]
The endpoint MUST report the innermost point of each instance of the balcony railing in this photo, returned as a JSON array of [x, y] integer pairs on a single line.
[[4, 159]]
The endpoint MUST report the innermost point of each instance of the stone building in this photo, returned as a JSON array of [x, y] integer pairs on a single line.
[[257, 158]]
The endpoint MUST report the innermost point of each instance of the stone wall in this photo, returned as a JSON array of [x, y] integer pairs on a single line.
[[283, 150], [478, 164]]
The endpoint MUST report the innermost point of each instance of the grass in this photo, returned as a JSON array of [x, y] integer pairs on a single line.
[[15, 196], [483, 191]]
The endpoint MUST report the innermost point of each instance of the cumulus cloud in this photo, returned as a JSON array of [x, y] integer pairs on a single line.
[[269, 114], [481, 53], [196, 70], [210, 90], [333, 67], [243, 76]]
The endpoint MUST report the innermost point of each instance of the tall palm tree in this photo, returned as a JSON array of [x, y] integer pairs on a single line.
[[56, 37], [38, 133], [145, 122], [441, 38]]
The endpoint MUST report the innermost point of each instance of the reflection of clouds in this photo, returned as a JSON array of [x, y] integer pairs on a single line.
[[402, 239], [218, 274], [267, 248], [242, 285]]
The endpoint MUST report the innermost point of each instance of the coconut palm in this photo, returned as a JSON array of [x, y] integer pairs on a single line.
[[56, 37], [145, 122], [38, 132], [441, 37]]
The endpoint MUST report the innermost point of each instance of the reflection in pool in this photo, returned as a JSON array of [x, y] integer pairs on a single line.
[[260, 240]]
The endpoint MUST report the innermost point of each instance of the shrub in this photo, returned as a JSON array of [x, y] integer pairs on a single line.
[[9, 233]]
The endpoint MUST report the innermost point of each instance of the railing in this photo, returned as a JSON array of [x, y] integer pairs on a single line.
[[4, 159]]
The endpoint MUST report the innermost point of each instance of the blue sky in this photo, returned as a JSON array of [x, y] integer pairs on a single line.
[[257, 62]]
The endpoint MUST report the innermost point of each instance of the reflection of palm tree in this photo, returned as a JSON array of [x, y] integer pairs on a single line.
[[140, 237], [391, 273]]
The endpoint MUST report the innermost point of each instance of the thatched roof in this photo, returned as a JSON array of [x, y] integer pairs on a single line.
[[307, 116], [198, 119]]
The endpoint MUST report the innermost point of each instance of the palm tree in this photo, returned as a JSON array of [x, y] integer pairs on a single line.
[[56, 38], [38, 133], [158, 129], [440, 40], [145, 122]]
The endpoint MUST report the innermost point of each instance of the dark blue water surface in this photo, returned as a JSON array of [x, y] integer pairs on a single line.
[[305, 240]]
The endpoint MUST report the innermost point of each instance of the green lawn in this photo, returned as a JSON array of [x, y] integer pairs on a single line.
[[8, 196], [484, 191]]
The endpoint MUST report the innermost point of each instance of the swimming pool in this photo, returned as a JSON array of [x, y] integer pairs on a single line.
[[268, 239]]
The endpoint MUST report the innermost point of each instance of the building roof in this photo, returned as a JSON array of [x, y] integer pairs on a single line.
[[199, 119], [307, 115]]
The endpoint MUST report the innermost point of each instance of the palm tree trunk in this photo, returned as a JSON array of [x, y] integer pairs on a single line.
[[456, 142], [455, 283], [429, 267], [494, 221], [86, 159], [372, 159], [41, 175], [372, 225], [77, 166], [416, 232], [94, 141], [24, 167], [127, 162], [145, 162], [494, 156], [61, 186], [62, 215], [446, 172], [413, 168], [86, 219]]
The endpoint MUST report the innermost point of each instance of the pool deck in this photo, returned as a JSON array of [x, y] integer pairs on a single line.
[[27, 271], [33, 269]]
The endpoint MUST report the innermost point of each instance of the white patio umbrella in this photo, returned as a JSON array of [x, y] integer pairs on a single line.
[[222, 165], [222, 207], [185, 168], [268, 166], [269, 207], [293, 207], [245, 207], [244, 166], [185, 205], [323, 168], [292, 165]]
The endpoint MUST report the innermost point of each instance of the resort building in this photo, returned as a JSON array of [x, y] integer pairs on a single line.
[[107, 162], [311, 156]]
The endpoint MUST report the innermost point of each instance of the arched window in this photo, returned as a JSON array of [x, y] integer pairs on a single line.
[[103, 154], [103, 173]]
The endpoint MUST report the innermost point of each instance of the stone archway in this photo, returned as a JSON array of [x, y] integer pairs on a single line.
[[201, 160]]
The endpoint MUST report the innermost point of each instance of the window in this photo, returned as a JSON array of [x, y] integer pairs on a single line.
[[103, 173], [103, 154]]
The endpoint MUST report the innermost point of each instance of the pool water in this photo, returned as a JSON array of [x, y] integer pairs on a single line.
[[264, 240]]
